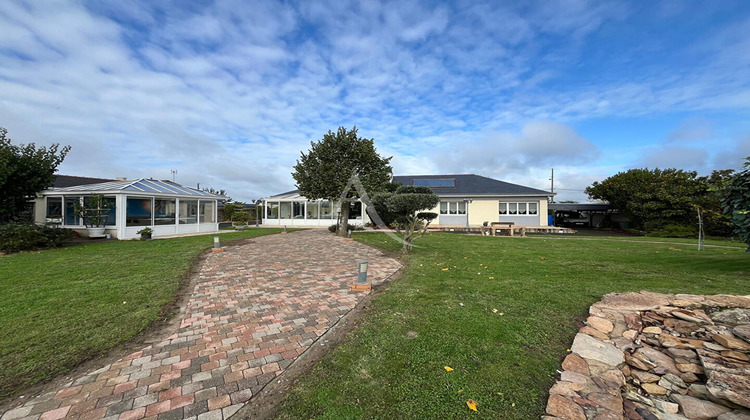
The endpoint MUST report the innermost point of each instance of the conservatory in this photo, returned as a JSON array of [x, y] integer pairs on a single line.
[[293, 209], [166, 207]]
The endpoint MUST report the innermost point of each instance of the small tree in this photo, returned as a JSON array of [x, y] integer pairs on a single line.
[[24, 171], [406, 204], [94, 211], [737, 203], [324, 172]]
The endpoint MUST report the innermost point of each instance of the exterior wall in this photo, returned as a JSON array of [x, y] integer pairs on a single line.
[[481, 210], [309, 222], [484, 209], [543, 209]]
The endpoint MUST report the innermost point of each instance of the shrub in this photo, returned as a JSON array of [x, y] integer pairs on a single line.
[[332, 228], [674, 231], [16, 237]]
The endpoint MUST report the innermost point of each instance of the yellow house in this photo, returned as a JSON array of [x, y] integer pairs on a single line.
[[470, 199]]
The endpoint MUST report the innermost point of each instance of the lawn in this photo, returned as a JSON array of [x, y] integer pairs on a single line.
[[501, 312], [63, 306]]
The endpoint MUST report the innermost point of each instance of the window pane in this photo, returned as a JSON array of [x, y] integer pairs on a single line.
[[207, 212], [70, 215], [285, 211], [326, 210], [453, 207], [532, 208], [188, 211], [165, 212], [110, 202], [503, 208], [512, 208], [273, 210], [312, 209], [298, 210], [521, 208], [54, 210], [138, 212], [461, 207], [443, 207]]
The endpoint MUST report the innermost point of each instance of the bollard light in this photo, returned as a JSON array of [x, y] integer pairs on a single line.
[[349, 233], [362, 272], [217, 243]]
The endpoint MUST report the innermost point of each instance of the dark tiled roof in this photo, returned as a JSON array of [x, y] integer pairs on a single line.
[[64, 181], [470, 184]]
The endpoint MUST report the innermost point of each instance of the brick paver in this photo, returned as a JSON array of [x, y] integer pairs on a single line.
[[254, 310]]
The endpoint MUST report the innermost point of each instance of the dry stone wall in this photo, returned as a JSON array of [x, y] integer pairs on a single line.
[[658, 357]]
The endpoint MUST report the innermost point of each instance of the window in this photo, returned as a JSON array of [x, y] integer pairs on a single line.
[[111, 203], [298, 210], [273, 210], [285, 211], [503, 208], [533, 208], [521, 208], [207, 212], [443, 207], [165, 212], [355, 210], [512, 208], [461, 207], [312, 209], [524, 209], [54, 209], [326, 210], [452, 207], [138, 212], [70, 214], [435, 183], [188, 212]]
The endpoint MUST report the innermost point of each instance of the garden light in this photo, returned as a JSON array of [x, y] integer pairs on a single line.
[[361, 283], [217, 245]]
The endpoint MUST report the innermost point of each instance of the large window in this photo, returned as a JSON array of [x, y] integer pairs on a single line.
[[111, 203], [312, 209], [165, 211], [188, 212], [285, 210], [524, 209], [207, 212], [326, 210], [70, 214], [138, 212], [298, 210], [272, 210], [452, 207], [54, 210]]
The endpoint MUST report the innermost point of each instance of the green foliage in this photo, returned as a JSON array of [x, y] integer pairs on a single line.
[[218, 192], [241, 216], [737, 203], [653, 199], [94, 210], [674, 231], [229, 210], [24, 171], [405, 204], [380, 206], [324, 172], [349, 227], [15, 237]]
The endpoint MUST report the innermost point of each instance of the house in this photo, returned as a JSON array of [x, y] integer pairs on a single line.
[[466, 199], [167, 207]]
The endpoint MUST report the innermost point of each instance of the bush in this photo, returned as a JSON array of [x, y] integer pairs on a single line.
[[332, 228], [674, 231], [16, 237]]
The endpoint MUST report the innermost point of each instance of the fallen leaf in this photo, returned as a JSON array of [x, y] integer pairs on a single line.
[[460, 391], [446, 269], [494, 311], [472, 404], [542, 258], [491, 278], [501, 314], [449, 369]]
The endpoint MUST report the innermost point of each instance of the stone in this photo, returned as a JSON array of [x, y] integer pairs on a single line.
[[742, 331], [660, 362], [672, 382], [593, 332], [733, 317], [633, 321], [735, 355], [652, 330], [608, 401], [684, 353], [591, 348], [734, 415], [693, 408], [689, 367], [643, 376], [603, 414], [624, 344], [637, 363], [714, 346], [630, 334], [732, 387], [615, 376], [689, 377], [654, 389], [629, 410], [575, 363], [576, 378], [629, 302], [666, 406], [601, 324], [731, 342], [696, 316], [564, 389], [560, 406]]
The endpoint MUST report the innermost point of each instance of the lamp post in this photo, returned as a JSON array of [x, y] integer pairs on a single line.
[[361, 283], [217, 245]]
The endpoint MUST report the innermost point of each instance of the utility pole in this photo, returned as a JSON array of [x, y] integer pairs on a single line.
[[552, 188]]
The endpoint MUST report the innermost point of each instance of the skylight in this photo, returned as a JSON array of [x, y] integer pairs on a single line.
[[435, 183]]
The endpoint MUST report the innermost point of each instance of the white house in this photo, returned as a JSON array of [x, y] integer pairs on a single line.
[[167, 207]]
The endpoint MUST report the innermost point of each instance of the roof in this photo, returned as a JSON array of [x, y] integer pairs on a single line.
[[141, 186], [63, 181], [468, 185]]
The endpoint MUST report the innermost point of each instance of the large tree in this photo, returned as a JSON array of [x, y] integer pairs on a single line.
[[737, 203], [405, 207], [24, 171], [325, 170], [653, 198]]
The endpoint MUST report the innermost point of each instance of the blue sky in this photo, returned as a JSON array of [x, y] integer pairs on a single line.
[[228, 93]]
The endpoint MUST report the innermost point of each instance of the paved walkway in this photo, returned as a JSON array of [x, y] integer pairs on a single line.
[[254, 310]]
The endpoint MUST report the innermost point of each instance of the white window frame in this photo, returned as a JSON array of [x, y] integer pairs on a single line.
[[521, 208]]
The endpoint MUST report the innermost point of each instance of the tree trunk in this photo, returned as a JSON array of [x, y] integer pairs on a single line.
[[344, 222]]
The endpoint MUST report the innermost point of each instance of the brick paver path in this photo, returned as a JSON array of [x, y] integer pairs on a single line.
[[254, 310]]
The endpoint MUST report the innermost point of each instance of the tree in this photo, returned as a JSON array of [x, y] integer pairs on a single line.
[[324, 172], [218, 192], [24, 171], [736, 203], [403, 207], [652, 199]]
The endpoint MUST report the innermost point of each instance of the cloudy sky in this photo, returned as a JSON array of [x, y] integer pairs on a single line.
[[228, 93]]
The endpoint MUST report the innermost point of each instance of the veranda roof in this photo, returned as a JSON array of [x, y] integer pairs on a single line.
[[140, 187]]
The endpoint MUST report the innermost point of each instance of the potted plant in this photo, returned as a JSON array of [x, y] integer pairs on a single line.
[[145, 233], [240, 220], [94, 212]]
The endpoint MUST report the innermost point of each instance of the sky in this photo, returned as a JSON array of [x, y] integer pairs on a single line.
[[229, 93]]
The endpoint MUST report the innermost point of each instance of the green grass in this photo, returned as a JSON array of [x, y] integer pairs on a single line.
[[505, 360], [63, 306], [693, 241]]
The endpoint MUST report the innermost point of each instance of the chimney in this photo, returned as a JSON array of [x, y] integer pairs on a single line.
[[121, 178]]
